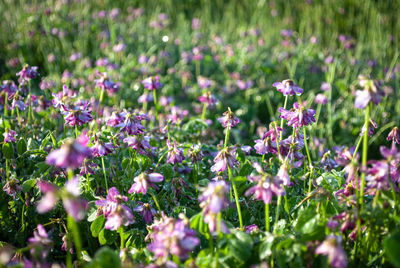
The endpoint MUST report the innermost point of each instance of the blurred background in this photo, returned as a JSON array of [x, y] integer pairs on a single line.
[[234, 49]]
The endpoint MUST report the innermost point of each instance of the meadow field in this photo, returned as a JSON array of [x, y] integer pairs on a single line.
[[199, 133]]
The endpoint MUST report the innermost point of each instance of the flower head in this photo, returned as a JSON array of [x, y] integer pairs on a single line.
[[114, 210], [333, 250], [224, 159], [268, 142], [40, 243], [394, 135], [266, 187], [77, 115], [139, 143], [229, 119], [105, 83], [9, 135], [208, 98], [372, 92], [288, 87], [152, 83], [175, 154], [298, 116], [144, 181], [71, 155], [27, 73]]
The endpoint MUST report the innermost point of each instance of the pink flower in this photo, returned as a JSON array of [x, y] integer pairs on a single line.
[[224, 159], [333, 250], [229, 120], [9, 135], [143, 181], [288, 87]]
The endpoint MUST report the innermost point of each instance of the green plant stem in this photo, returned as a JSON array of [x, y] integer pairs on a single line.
[[73, 228], [267, 217], [227, 133], [121, 235], [282, 120], [76, 131], [104, 172], [161, 158], [365, 154], [155, 103], [278, 205], [203, 114], [156, 202], [236, 197], [310, 165]]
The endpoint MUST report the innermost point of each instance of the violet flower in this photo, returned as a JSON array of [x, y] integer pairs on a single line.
[[267, 144], [11, 187], [204, 82], [266, 187], [144, 181], [101, 148], [139, 143], [27, 73], [224, 159], [372, 92], [70, 195], [40, 244], [175, 154], [132, 123], [229, 120], [9, 87], [114, 210], [394, 135], [152, 83], [9, 135], [212, 201], [70, 155], [208, 98], [371, 126], [147, 211], [333, 250], [298, 116], [321, 99], [288, 87], [171, 236], [77, 115], [105, 83]]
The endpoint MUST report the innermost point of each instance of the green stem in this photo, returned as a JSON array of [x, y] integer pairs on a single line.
[[236, 197], [155, 102], [104, 172], [121, 234], [284, 107], [277, 214], [76, 131], [227, 133], [156, 202], [365, 154], [73, 228], [203, 114], [267, 217], [161, 158]]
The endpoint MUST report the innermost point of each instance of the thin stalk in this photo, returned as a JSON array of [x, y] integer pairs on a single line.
[[310, 165], [278, 206], [203, 114], [284, 107], [155, 103], [365, 153], [161, 158], [156, 202], [73, 228], [236, 197], [267, 217], [104, 172], [121, 235]]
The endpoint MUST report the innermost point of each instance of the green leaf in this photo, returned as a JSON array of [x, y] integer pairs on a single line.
[[27, 185], [392, 245], [266, 246], [167, 171], [307, 222], [240, 245], [97, 225], [106, 257], [197, 223], [21, 147], [8, 150]]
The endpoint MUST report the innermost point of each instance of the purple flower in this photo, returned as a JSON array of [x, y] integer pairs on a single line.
[[132, 123], [208, 98], [88, 167], [77, 115], [152, 83], [101, 148], [243, 85], [70, 155], [333, 250], [195, 23], [212, 201], [171, 236], [288, 87], [40, 243], [321, 99], [139, 143], [114, 210], [224, 159], [345, 158], [9, 87], [12, 188], [144, 181], [266, 187], [325, 86], [27, 73], [268, 142], [177, 114], [147, 211], [195, 153], [9, 135], [377, 176], [204, 82], [114, 120], [175, 154], [105, 83], [394, 135], [251, 228], [371, 126], [146, 98], [298, 116], [70, 195], [291, 147], [229, 120], [372, 92]]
